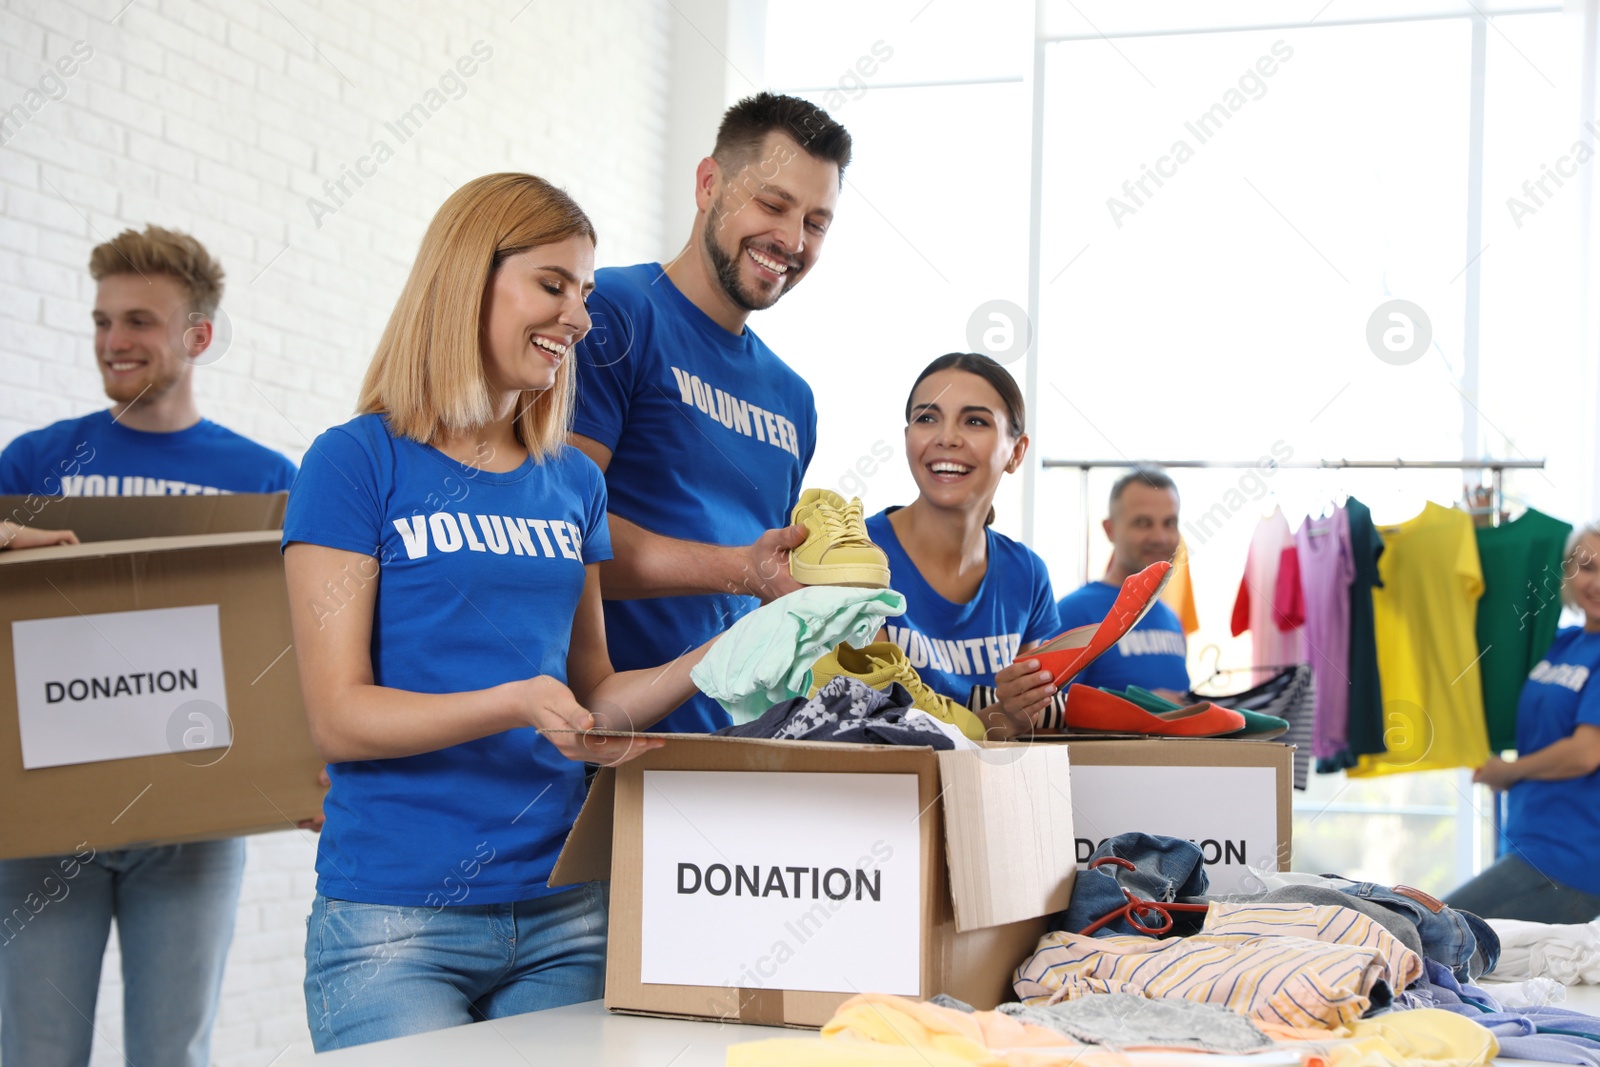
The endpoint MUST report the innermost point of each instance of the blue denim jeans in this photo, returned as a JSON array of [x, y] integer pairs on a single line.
[[1511, 888], [1458, 939], [376, 971], [1165, 869], [174, 908]]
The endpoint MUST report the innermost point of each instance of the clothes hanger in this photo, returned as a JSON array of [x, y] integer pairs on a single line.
[[1264, 668], [1159, 911]]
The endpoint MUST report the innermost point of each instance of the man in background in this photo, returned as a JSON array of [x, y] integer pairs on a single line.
[[174, 905], [1142, 527]]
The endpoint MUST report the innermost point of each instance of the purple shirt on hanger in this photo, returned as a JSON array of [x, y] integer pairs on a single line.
[[1327, 567]]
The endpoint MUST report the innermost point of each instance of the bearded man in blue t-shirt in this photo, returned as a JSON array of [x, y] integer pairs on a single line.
[[154, 320], [702, 431]]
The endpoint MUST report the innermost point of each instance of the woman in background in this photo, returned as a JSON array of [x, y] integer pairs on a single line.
[[1550, 869]]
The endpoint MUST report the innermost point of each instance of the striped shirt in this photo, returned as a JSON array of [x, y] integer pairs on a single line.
[[1286, 964]]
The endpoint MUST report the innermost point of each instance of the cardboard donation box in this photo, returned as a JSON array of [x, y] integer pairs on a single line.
[[1229, 797], [148, 686], [769, 881]]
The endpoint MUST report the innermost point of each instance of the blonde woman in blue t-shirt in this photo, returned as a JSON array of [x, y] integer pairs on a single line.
[[443, 551]]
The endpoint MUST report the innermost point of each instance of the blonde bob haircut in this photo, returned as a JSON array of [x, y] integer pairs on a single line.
[[427, 374]]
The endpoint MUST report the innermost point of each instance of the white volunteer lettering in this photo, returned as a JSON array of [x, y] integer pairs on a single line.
[[446, 534], [735, 413], [1567, 675], [133, 485], [110, 686], [539, 527], [918, 652], [956, 655], [685, 391], [466, 529], [520, 537], [414, 533], [494, 534], [558, 530], [502, 535], [804, 890], [1152, 643]]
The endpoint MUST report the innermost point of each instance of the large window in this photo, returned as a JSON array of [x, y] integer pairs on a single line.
[[932, 221], [1226, 212]]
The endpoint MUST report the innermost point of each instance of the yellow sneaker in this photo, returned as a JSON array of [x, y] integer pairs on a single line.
[[883, 662], [837, 551]]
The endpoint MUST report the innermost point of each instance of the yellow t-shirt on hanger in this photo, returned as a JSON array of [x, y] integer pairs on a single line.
[[1425, 615]]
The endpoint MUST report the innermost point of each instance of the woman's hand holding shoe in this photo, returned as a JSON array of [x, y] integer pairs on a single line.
[[1023, 692]]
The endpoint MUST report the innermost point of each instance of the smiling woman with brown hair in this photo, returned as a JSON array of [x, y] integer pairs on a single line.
[[975, 598]]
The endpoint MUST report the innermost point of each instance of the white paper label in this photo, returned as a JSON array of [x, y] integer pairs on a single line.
[[119, 685], [1230, 812], [782, 881]]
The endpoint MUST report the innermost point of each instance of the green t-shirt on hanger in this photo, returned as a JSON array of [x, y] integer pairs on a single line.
[[1364, 731], [1518, 613]]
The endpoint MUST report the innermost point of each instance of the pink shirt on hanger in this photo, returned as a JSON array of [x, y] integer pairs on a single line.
[[1257, 607]]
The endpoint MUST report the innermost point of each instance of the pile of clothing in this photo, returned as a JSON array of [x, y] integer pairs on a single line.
[[1568, 953], [1308, 953], [790, 649], [771, 669], [1316, 971]]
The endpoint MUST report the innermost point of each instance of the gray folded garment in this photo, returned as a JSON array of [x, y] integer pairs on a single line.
[[1392, 921], [1123, 1020]]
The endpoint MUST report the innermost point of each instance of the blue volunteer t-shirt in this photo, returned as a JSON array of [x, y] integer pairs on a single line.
[[1153, 655], [957, 646], [710, 434], [95, 456], [479, 576], [1555, 826]]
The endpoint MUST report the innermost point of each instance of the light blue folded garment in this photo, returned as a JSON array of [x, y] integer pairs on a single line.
[[765, 658]]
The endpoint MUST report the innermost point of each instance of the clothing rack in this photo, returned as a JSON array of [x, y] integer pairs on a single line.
[[1496, 467]]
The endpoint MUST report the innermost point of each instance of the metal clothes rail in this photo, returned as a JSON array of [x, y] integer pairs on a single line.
[[1496, 467]]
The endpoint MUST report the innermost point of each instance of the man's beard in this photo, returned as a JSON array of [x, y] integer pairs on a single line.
[[727, 268]]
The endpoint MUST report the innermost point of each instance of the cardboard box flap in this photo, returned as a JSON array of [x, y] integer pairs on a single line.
[[586, 854], [37, 557], [117, 518], [1008, 833]]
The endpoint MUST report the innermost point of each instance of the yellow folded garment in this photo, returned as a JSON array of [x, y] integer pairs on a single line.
[[891, 1020], [1429, 1036], [875, 1029], [810, 1052], [884, 1031]]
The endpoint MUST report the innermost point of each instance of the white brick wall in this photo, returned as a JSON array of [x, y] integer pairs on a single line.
[[221, 118]]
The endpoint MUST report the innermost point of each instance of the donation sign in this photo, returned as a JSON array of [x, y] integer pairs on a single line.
[[1230, 812], [782, 881], [119, 685]]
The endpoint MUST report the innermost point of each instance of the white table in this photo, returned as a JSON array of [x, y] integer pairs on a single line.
[[578, 1033], [588, 1034]]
